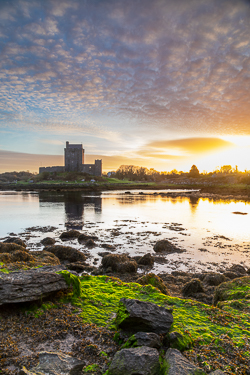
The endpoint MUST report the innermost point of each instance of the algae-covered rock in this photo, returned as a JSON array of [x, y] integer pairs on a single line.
[[150, 339], [21, 256], [5, 257], [146, 260], [66, 253], [45, 257], [140, 361], [192, 287], [237, 268], [233, 290], [16, 240], [68, 235], [214, 279], [135, 315], [48, 241], [165, 246], [154, 280], [119, 263], [177, 364], [55, 364], [10, 247], [90, 243], [85, 237]]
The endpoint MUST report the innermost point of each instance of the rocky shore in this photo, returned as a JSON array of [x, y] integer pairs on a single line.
[[61, 315]]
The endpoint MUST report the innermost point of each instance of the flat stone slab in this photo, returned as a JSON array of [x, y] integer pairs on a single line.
[[29, 285], [135, 315]]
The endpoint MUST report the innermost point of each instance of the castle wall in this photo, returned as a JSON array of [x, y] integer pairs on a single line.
[[51, 169]]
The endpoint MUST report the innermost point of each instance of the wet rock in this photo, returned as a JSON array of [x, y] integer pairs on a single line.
[[68, 235], [55, 364], [78, 267], [143, 316], [48, 241], [180, 365], [66, 253], [154, 280], [149, 339], [146, 260], [119, 263], [30, 285], [85, 237], [44, 256], [16, 240], [142, 360], [165, 246], [237, 268], [192, 287], [108, 246], [90, 243], [231, 275], [10, 247], [214, 279], [21, 256]]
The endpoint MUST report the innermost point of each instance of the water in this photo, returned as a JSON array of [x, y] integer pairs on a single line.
[[209, 231]]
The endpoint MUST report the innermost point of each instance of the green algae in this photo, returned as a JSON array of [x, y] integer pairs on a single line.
[[198, 323], [233, 290], [73, 281]]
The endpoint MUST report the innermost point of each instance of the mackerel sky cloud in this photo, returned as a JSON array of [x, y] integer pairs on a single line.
[[120, 75]]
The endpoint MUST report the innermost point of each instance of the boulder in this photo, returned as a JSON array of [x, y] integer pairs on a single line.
[[48, 241], [85, 237], [119, 263], [154, 280], [192, 287], [150, 339], [214, 279], [177, 364], [135, 361], [233, 290], [134, 315], [68, 235], [66, 253], [55, 364], [10, 247], [15, 240], [237, 268], [146, 260], [29, 285], [165, 246], [90, 243]]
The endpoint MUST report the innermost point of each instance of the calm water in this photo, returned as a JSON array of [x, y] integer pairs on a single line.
[[212, 235]]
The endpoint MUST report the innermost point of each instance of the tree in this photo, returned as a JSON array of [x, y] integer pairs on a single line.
[[194, 171], [226, 169]]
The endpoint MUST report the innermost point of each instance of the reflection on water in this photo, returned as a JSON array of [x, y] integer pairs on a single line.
[[207, 229]]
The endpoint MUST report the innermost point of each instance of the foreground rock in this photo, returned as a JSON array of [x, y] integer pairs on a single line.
[[135, 315], [55, 364], [143, 361], [237, 289], [177, 364], [66, 253], [29, 285]]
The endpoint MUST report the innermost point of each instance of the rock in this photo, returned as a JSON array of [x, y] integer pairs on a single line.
[[135, 361], [78, 267], [55, 364], [108, 246], [90, 243], [177, 364], [30, 285], [192, 287], [154, 280], [237, 268], [119, 263], [44, 256], [66, 253], [165, 246], [5, 257], [146, 260], [10, 247], [85, 237], [21, 256], [16, 240], [68, 235], [48, 241], [136, 315], [214, 279], [233, 290], [149, 339], [231, 275], [217, 372]]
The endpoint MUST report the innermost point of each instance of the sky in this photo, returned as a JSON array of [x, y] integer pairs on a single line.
[[162, 84]]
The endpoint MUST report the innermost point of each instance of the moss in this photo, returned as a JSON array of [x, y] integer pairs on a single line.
[[73, 281], [130, 343]]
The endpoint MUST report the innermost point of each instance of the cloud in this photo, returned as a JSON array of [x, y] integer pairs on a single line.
[[191, 145]]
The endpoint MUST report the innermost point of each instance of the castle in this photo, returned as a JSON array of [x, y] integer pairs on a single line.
[[74, 162]]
